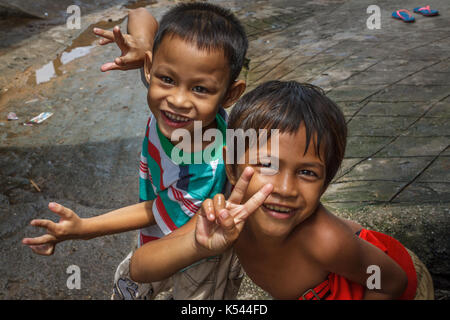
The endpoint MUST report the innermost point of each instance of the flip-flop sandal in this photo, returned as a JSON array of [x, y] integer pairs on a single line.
[[426, 11], [403, 15]]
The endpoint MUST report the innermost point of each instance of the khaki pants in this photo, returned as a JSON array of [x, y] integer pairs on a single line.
[[214, 278]]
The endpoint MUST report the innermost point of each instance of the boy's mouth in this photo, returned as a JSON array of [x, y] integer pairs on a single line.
[[174, 120], [277, 211]]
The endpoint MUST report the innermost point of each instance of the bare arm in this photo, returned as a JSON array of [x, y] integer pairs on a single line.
[[142, 26], [343, 253], [71, 226], [121, 220], [159, 259]]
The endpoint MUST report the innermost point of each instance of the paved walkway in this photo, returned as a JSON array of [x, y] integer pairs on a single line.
[[393, 85]]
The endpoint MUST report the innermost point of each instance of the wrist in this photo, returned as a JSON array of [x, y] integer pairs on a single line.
[[201, 251], [86, 229], [144, 44]]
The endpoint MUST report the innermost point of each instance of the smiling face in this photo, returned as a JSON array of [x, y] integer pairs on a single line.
[[298, 185], [186, 85]]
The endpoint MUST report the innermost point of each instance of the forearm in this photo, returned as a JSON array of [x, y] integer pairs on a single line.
[[160, 259], [121, 220], [143, 27]]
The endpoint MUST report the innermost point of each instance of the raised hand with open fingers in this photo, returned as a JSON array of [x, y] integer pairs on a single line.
[[132, 49], [68, 227], [220, 222]]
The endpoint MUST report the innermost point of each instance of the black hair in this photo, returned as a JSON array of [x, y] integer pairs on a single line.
[[285, 105], [210, 27]]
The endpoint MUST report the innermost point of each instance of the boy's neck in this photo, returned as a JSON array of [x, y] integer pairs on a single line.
[[258, 239]]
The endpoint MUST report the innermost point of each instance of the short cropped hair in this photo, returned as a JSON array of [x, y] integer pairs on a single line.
[[285, 106], [210, 27]]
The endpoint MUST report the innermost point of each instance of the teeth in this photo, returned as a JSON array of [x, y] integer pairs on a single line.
[[277, 208], [175, 117]]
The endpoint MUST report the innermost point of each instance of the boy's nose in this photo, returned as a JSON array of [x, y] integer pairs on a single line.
[[286, 186], [179, 100]]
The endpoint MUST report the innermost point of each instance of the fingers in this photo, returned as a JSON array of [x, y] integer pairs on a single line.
[[45, 239], [208, 210], [118, 37], [44, 249], [219, 202], [255, 201], [104, 33], [60, 210], [104, 41], [241, 186], [46, 224], [110, 66]]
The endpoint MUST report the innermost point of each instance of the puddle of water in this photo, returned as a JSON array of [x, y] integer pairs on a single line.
[[45, 73], [66, 57], [80, 47]]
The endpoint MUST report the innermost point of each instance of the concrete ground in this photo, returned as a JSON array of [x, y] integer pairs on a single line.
[[392, 83]]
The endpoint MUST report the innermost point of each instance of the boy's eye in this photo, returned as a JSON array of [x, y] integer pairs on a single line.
[[167, 80], [200, 89], [265, 164], [308, 173], [267, 168]]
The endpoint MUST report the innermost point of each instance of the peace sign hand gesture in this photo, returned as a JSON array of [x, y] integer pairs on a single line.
[[220, 222]]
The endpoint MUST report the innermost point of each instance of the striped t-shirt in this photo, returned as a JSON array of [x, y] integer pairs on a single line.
[[178, 190]]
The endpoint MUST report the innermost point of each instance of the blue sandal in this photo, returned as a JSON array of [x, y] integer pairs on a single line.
[[426, 11], [403, 15]]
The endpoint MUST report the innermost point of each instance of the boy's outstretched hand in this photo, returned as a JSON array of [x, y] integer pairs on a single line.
[[68, 227], [133, 50], [220, 222]]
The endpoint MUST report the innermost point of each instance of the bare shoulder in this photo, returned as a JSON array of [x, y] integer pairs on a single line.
[[328, 236]]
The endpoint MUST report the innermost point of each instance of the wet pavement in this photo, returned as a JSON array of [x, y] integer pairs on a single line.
[[392, 83]]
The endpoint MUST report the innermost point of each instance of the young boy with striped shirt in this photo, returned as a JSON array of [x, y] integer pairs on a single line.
[[192, 71]]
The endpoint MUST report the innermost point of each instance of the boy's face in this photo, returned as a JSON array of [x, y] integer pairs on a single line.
[[298, 184], [186, 85]]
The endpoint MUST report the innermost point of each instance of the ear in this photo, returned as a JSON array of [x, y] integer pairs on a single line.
[[229, 169], [148, 58], [234, 92]]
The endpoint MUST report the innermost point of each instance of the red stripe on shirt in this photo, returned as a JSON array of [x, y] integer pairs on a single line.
[[143, 167], [187, 203], [154, 153], [164, 215], [145, 239]]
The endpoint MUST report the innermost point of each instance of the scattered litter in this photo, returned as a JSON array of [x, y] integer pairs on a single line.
[[31, 101], [40, 118], [12, 116], [35, 185]]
